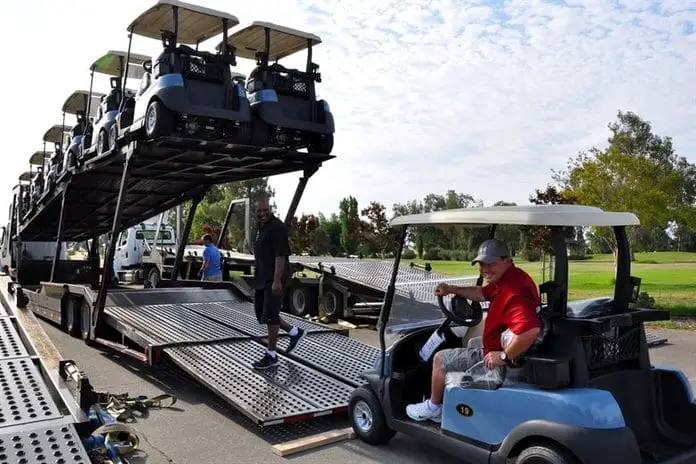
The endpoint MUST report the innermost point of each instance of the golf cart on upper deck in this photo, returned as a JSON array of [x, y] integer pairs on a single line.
[[188, 92], [38, 176], [588, 392], [287, 113], [55, 135], [84, 108], [113, 63]]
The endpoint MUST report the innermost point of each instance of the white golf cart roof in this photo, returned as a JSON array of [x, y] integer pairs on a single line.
[[39, 157], [56, 133], [25, 176], [110, 64], [196, 23], [533, 215], [77, 101], [284, 40]]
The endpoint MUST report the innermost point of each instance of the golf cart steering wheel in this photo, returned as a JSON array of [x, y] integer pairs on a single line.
[[462, 311]]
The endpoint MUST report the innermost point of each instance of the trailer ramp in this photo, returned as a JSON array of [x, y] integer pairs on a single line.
[[213, 335]]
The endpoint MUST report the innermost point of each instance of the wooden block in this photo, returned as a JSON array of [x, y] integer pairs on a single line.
[[347, 324], [314, 441]]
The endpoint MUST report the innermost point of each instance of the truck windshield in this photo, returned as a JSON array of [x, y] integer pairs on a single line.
[[163, 236]]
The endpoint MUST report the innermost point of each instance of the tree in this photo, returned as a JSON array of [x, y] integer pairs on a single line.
[[378, 232], [637, 172], [350, 224]]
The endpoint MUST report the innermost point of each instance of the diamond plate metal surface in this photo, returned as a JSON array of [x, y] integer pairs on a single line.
[[285, 391], [171, 323], [54, 444], [11, 346], [327, 358], [25, 396], [347, 346]]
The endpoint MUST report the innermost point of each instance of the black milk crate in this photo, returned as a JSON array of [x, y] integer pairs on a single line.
[[615, 346]]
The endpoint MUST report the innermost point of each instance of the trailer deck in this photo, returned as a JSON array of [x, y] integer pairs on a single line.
[[213, 335], [37, 422]]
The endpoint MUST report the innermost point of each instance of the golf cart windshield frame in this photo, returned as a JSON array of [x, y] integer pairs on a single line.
[[558, 291]]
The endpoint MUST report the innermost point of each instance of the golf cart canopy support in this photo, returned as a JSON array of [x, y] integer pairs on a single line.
[[284, 41], [191, 24]]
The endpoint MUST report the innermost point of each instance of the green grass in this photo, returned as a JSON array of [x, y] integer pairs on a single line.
[[669, 277]]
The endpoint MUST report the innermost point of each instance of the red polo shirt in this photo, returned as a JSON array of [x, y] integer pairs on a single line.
[[513, 303]]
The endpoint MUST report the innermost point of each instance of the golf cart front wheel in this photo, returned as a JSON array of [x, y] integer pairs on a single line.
[[158, 120], [323, 146], [367, 417], [545, 454]]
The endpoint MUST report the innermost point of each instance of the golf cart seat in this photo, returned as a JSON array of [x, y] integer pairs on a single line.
[[113, 99], [589, 308]]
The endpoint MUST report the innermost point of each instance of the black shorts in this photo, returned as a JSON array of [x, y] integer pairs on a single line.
[[267, 306]]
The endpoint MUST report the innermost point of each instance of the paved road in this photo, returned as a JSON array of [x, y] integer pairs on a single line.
[[203, 429]]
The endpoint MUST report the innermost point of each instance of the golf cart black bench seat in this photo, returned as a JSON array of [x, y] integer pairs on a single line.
[[284, 81]]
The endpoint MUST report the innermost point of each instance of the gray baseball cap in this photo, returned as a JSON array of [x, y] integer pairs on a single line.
[[490, 250]]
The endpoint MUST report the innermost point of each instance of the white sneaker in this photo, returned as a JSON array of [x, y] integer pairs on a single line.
[[423, 411]]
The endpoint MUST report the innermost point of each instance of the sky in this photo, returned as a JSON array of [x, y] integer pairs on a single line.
[[483, 97]]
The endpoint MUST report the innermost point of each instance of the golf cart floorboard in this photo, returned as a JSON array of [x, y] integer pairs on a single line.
[[216, 342], [163, 173]]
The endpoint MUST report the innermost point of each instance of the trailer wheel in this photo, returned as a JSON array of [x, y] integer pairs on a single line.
[[85, 321], [367, 417], [73, 317], [158, 120], [302, 302], [333, 304]]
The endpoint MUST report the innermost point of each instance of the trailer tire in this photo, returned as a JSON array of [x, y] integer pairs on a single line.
[[22, 299], [302, 301], [85, 321], [73, 317], [333, 304]]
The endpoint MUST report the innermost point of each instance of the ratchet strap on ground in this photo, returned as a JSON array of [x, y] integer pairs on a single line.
[[112, 439]]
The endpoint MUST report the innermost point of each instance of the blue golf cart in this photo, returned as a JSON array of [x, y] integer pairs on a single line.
[[586, 392], [285, 106]]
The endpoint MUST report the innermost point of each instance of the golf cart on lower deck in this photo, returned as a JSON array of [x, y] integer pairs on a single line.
[[287, 113], [588, 393], [184, 91]]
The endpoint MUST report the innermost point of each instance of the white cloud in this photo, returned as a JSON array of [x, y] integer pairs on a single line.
[[427, 95]]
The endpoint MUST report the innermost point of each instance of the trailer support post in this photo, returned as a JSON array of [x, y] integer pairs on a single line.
[[111, 250], [309, 172], [59, 235], [184, 237], [228, 216]]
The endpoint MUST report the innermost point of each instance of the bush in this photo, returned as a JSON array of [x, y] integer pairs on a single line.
[[432, 254], [408, 254], [645, 301], [575, 257]]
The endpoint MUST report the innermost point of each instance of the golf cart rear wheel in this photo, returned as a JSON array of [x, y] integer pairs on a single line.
[[367, 417], [102, 142], [545, 454], [158, 120], [323, 145]]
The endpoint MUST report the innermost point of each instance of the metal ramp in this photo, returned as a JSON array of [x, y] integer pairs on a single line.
[[216, 343], [33, 428]]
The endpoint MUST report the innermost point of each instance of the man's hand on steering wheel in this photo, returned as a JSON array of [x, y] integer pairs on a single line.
[[443, 289]]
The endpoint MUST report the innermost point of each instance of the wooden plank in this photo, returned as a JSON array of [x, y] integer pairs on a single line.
[[314, 441]]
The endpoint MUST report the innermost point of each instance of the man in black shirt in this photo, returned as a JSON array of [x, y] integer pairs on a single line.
[[271, 274]]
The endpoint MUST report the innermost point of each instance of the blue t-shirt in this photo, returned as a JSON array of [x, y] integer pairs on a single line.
[[212, 255]]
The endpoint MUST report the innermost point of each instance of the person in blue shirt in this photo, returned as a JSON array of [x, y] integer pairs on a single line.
[[211, 269]]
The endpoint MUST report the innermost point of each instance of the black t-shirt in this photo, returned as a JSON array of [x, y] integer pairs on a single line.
[[271, 241]]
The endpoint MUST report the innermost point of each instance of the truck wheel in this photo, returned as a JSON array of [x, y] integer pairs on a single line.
[[153, 278], [158, 120], [544, 454], [367, 417], [333, 304]]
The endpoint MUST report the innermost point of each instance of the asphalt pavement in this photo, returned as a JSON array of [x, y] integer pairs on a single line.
[[200, 428]]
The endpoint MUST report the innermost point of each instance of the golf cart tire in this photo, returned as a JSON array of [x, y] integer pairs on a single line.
[[102, 142], [164, 122], [323, 146], [363, 400], [545, 454]]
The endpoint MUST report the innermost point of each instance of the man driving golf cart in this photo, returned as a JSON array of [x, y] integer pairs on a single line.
[[513, 297]]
